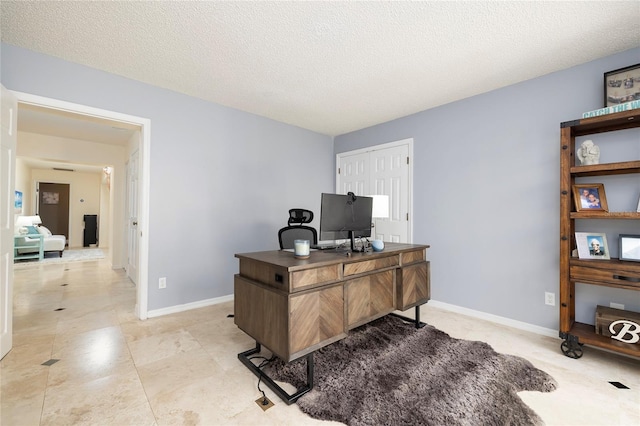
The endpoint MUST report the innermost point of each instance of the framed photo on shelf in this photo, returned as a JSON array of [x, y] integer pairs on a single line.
[[622, 85], [629, 247], [590, 197], [592, 245]]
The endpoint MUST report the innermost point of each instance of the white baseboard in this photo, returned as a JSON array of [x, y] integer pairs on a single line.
[[188, 306], [495, 318], [434, 303]]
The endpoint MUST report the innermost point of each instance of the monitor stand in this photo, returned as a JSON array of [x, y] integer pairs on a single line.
[[353, 243]]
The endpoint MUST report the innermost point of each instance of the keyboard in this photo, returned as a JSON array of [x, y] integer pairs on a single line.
[[324, 246]]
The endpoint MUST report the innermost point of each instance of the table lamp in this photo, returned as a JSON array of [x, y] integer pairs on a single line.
[[380, 206], [380, 210]]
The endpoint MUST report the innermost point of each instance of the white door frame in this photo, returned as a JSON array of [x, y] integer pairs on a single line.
[[131, 227], [409, 142], [8, 142], [142, 288]]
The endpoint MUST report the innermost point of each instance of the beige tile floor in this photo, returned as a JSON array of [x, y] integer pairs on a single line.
[[182, 369]]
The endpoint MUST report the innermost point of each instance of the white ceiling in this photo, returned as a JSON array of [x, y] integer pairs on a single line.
[[331, 67], [37, 119], [63, 124]]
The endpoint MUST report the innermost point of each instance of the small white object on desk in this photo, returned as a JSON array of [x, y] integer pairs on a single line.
[[301, 248]]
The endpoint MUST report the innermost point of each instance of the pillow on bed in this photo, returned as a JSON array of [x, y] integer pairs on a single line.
[[44, 231], [31, 230]]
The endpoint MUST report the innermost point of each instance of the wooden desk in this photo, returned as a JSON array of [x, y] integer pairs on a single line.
[[294, 307]]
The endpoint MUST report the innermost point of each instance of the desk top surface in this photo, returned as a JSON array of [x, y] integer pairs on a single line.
[[319, 257]]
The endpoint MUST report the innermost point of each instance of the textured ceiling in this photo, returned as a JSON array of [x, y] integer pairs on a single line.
[[331, 67]]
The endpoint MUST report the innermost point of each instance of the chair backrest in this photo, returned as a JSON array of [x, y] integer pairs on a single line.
[[295, 230], [288, 234], [299, 216]]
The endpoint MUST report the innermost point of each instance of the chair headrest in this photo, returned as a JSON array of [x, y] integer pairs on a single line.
[[300, 216]]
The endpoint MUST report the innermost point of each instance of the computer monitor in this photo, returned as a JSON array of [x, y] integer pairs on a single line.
[[345, 217]]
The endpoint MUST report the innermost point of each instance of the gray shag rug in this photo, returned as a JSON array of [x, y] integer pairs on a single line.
[[390, 373]]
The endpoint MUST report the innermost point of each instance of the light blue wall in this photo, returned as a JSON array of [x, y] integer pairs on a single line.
[[222, 180], [486, 197], [486, 173]]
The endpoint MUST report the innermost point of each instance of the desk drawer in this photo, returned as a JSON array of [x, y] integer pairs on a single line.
[[316, 318], [413, 256], [370, 265], [314, 276], [272, 275], [369, 297], [612, 273], [413, 286]]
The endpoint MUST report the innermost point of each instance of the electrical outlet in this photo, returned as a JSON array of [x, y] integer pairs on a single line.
[[264, 403], [616, 305], [549, 298], [162, 282]]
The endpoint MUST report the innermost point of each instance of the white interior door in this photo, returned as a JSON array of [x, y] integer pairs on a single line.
[[382, 170], [9, 108], [390, 176], [354, 173], [132, 216]]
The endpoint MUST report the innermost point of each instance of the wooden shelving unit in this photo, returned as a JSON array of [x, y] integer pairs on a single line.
[[609, 273]]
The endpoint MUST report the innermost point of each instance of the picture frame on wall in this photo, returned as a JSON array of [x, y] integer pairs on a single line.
[[17, 202], [590, 197], [629, 247], [592, 245], [50, 197], [622, 85]]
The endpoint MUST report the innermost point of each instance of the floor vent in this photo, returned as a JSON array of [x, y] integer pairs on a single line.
[[60, 309], [50, 362], [619, 385]]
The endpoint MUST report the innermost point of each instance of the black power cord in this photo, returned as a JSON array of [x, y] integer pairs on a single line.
[[265, 361], [363, 245]]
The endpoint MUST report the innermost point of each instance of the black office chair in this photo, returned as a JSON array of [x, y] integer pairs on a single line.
[[295, 230]]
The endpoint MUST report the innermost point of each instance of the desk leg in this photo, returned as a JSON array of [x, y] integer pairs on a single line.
[[289, 399], [417, 321]]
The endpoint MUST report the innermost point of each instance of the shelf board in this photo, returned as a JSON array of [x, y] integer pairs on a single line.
[[605, 215], [626, 167], [587, 334], [611, 264], [27, 256], [604, 123]]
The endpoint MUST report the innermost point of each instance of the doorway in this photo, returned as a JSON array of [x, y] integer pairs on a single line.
[[144, 128], [53, 207]]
